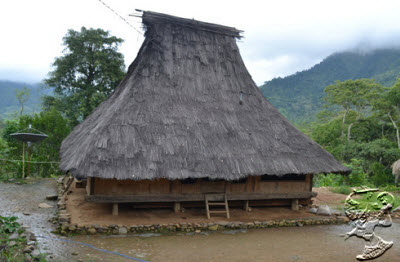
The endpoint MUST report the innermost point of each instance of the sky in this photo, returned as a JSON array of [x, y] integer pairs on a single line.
[[280, 37]]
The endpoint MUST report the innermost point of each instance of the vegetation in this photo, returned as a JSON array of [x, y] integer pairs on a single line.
[[50, 122], [360, 127], [10, 107], [11, 250], [87, 73], [83, 77], [299, 96]]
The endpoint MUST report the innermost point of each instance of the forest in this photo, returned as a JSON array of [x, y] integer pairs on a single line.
[[300, 96]]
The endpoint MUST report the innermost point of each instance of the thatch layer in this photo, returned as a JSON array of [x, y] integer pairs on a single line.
[[177, 114]]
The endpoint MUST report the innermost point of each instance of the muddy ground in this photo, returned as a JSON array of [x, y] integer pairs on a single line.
[[308, 243]]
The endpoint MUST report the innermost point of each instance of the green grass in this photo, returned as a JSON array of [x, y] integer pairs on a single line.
[[345, 190]]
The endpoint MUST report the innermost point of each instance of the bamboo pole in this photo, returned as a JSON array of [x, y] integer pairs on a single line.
[[28, 172], [23, 160]]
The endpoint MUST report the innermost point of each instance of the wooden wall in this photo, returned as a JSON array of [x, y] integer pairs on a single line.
[[253, 184]]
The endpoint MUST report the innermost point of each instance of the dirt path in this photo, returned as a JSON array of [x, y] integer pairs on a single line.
[[326, 197], [23, 201], [308, 243]]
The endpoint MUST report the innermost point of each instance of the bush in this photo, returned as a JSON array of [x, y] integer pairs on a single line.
[[328, 180], [50, 122], [380, 176]]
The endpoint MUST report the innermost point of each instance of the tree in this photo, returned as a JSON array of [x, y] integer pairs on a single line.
[[388, 103], [89, 70], [22, 95], [352, 95]]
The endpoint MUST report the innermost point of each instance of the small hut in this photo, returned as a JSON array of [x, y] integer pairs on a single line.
[[187, 125]]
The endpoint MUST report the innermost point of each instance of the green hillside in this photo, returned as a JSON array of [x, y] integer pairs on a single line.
[[298, 96], [9, 105]]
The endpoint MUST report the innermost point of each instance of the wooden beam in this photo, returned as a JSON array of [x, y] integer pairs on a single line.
[[192, 197], [115, 209]]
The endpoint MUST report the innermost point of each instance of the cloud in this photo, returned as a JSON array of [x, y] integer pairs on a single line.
[[281, 37]]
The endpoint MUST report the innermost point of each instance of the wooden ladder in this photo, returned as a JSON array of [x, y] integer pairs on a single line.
[[211, 200]]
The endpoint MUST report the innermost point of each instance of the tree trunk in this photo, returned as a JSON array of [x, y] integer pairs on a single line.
[[349, 132], [397, 130], [343, 122]]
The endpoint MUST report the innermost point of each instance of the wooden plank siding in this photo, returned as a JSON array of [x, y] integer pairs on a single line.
[[164, 187]]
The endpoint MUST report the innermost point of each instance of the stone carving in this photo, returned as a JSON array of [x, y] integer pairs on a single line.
[[365, 219]]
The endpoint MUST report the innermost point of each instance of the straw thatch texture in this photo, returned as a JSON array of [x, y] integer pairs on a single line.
[[177, 114]]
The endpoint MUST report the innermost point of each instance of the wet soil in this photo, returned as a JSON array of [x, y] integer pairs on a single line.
[[308, 243]]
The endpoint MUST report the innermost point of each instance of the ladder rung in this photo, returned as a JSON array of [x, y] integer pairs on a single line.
[[218, 211], [216, 204]]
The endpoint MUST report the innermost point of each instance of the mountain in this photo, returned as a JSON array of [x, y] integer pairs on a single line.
[[9, 104], [299, 96]]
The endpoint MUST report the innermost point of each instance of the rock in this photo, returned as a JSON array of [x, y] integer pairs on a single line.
[[313, 210], [28, 249], [26, 213], [13, 236], [122, 231], [92, 231], [213, 228], [74, 253], [324, 210], [52, 197], [28, 257], [44, 205], [12, 243], [30, 243], [32, 237], [35, 253]]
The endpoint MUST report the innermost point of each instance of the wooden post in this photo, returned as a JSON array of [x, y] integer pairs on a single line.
[[23, 160], [246, 206], [28, 171], [115, 209], [295, 204], [177, 207]]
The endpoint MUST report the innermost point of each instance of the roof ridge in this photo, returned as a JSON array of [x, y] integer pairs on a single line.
[[149, 18]]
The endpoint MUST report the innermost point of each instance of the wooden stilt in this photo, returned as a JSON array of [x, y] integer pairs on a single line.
[[246, 206], [177, 207], [115, 209], [295, 204]]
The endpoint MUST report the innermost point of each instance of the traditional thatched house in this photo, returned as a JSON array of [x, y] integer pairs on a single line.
[[188, 120]]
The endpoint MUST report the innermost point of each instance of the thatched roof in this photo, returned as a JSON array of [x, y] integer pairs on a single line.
[[177, 114]]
